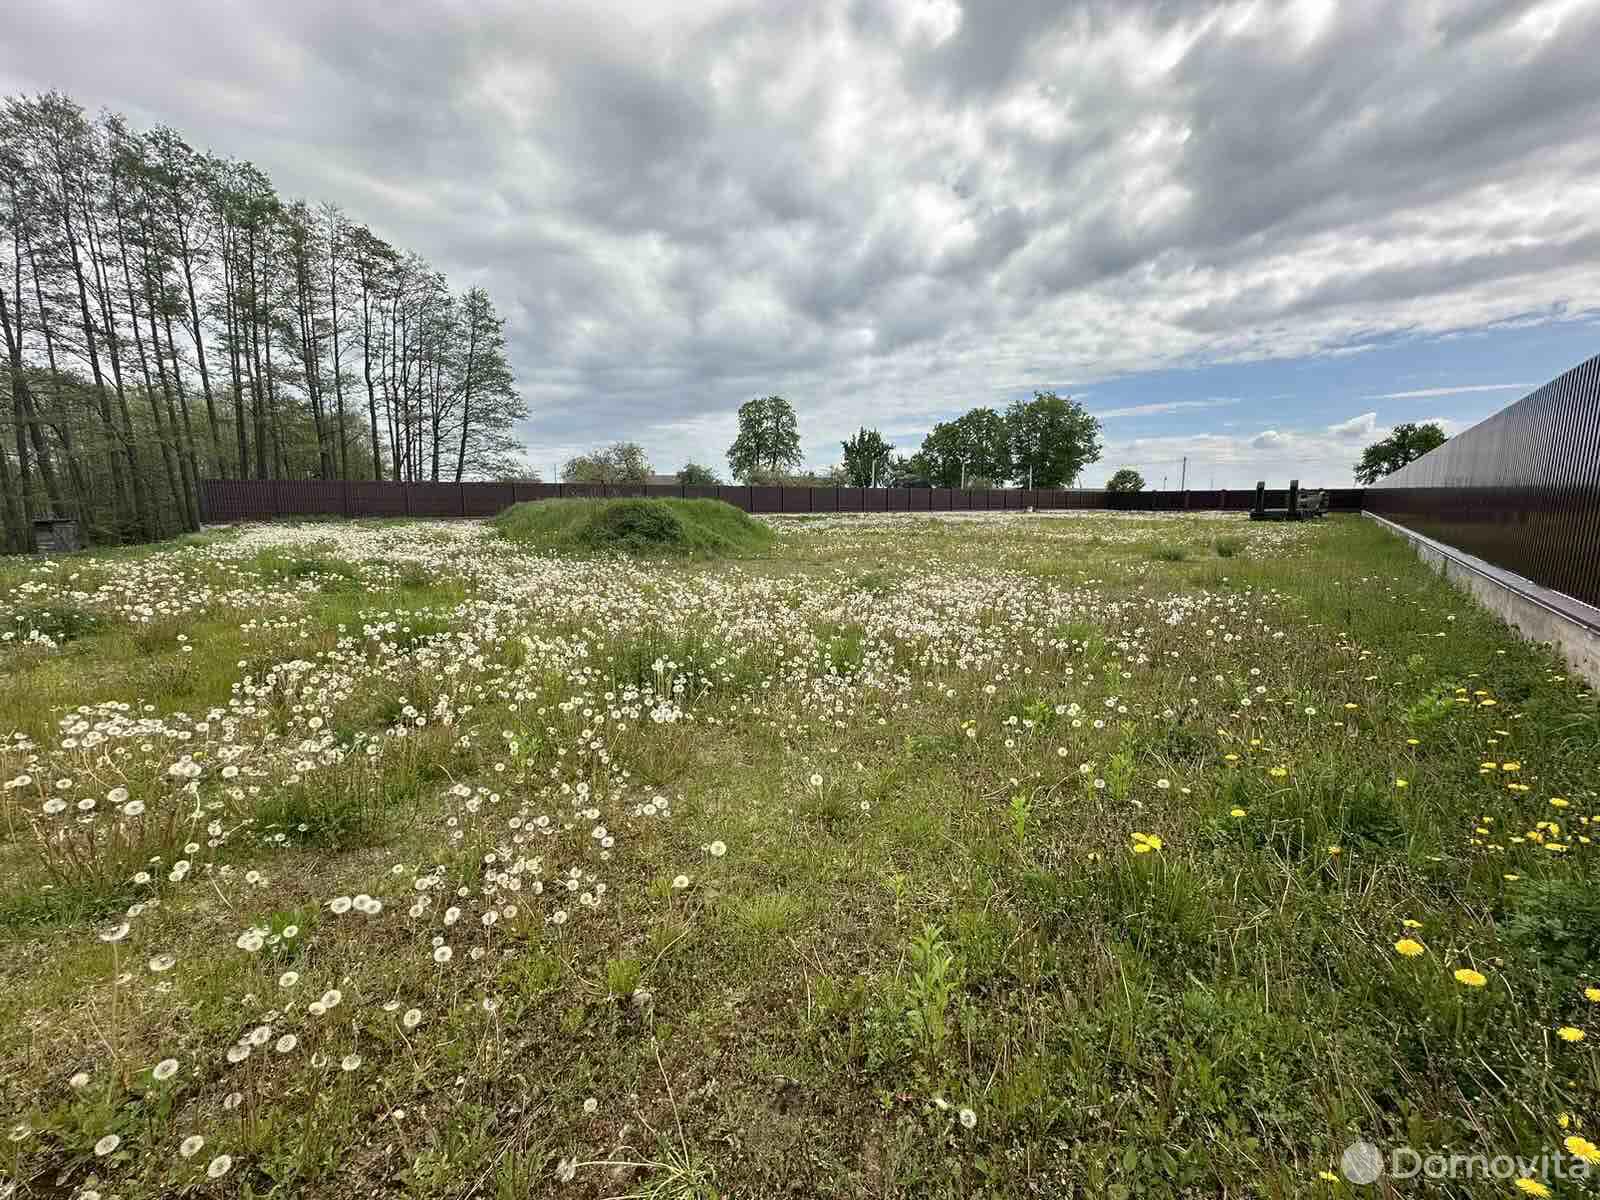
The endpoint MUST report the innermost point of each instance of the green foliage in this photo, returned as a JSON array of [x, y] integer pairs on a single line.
[[768, 438], [1406, 443], [971, 451], [935, 979], [694, 474], [1125, 479], [1228, 547], [1051, 440], [59, 622], [867, 458], [622, 977], [663, 528], [620, 462], [1555, 924]]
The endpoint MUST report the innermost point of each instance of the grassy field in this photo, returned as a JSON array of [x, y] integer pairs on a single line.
[[1086, 854]]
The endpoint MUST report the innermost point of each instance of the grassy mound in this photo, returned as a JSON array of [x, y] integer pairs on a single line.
[[667, 528]]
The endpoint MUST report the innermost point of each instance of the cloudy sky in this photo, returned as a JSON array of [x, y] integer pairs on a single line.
[[1255, 234]]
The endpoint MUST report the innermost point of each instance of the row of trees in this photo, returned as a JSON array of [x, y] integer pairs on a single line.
[[168, 317], [1045, 443]]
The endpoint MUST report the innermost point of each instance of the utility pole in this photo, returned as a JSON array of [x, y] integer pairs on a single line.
[[1183, 480]]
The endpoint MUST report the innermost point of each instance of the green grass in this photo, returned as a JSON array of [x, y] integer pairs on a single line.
[[863, 804], [665, 528]]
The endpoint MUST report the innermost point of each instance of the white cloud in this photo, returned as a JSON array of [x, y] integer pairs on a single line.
[[1356, 428], [889, 211], [1461, 389], [1161, 407]]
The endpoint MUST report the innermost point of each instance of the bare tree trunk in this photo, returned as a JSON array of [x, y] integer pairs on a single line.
[[84, 509], [466, 388], [91, 347], [197, 334], [120, 230], [148, 527], [231, 309]]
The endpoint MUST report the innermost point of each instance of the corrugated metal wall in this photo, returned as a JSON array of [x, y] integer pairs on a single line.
[[263, 499], [1520, 490]]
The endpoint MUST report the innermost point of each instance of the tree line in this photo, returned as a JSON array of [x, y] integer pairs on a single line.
[[1045, 442], [169, 317]]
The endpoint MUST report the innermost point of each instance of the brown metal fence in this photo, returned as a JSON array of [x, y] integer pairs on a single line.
[[227, 500], [1520, 490]]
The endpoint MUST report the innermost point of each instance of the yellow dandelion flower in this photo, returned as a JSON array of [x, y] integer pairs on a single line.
[[1410, 924], [1409, 947], [1583, 1148], [1592, 994], [1557, 802], [1335, 850], [1236, 812], [1327, 1177], [1401, 783], [1470, 977], [1531, 1187], [1413, 742], [1511, 878], [1511, 766], [1352, 706], [1570, 1033], [1277, 772]]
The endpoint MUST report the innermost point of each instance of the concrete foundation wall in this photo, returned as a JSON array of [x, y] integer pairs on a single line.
[[1569, 626]]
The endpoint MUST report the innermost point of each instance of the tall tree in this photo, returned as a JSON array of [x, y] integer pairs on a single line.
[[1052, 438], [867, 457], [693, 474], [768, 438], [1406, 443], [970, 451], [620, 462], [140, 280]]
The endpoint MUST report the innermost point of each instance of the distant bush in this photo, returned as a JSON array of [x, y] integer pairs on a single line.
[[1227, 547], [1169, 554], [656, 528]]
